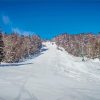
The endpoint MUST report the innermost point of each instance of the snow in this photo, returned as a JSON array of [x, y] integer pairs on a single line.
[[53, 75]]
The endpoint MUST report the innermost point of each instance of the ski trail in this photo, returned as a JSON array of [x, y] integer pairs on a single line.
[[53, 75]]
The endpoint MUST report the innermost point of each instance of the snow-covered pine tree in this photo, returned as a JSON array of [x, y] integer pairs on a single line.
[[1, 47]]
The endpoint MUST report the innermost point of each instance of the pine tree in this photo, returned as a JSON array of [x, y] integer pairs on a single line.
[[1, 47]]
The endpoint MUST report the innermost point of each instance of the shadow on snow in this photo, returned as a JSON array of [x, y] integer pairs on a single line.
[[14, 64], [23, 62]]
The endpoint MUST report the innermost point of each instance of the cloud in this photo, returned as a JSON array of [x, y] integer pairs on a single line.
[[16, 30], [21, 32], [6, 20]]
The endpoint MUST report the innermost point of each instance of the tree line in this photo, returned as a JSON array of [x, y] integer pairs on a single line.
[[14, 47], [80, 45]]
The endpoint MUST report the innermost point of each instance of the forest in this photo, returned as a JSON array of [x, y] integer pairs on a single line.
[[15, 48], [80, 45]]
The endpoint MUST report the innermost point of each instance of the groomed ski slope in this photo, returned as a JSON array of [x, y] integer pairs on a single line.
[[53, 75]]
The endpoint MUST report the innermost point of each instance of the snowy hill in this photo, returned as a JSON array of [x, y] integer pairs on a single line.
[[53, 75]]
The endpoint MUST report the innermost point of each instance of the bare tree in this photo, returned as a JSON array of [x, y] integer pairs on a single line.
[[1, 47]]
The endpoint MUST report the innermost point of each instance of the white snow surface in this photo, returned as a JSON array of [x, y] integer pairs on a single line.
[[53, 75]]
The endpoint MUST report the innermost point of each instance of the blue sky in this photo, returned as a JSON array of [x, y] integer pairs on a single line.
[[50, 17]]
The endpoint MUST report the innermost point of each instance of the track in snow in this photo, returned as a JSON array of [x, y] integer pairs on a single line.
[[54, 75]]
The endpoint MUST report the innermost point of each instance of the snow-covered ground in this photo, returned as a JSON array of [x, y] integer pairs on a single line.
[[53, 75]]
